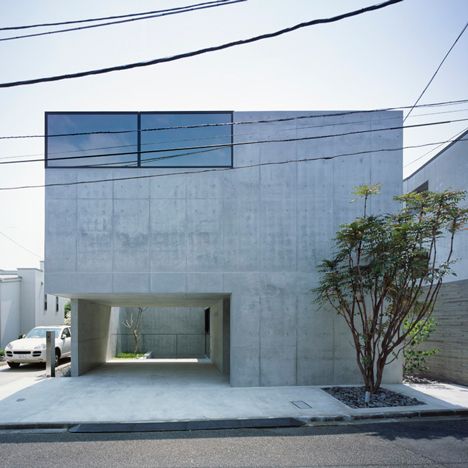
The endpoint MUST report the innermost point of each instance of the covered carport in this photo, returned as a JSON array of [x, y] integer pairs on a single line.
[[95, 319]]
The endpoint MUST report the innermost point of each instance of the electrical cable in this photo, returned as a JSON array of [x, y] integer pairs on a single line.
[[103, 18], [437, 71], [19, 245], [160, 14], [222, 124], [205, 50], [242, 143], [336, 124], [201, 171], [453, 138]]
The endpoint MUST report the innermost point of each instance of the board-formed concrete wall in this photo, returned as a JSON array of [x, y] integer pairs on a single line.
[[254, 234], [451, 334], [166, 332]]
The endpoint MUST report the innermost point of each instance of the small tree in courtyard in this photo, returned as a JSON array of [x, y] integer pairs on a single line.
[[387, 272], [133, 323]]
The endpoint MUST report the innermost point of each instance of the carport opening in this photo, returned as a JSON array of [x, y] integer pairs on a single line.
[[177, 339]]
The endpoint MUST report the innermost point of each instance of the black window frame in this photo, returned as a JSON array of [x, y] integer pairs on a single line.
[[138, 151], [424, 187]]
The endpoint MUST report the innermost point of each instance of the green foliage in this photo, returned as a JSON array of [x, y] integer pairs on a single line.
[[129, 355], [2, 352], [414, 356], [386, 269], [67, 313], [367, 190]]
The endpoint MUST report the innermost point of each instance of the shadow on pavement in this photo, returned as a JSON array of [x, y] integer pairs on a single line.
[[33, 367]]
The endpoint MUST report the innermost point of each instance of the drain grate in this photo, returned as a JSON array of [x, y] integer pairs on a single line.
[[301, 404]]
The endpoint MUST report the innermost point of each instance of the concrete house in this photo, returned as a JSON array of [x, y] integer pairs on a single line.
[[23, 304], [448, 170], [225, 212]]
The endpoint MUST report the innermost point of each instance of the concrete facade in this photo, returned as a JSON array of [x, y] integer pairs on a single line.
[[448, 170], [90, 331], [23, 304], [247, 238]]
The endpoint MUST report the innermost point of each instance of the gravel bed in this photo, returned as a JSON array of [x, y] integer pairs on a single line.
[[354, 397], [418, 379]]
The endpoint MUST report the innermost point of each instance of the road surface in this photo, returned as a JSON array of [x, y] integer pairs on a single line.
[[422, 443]]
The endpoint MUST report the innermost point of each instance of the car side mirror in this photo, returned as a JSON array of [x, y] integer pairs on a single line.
[[63, 336], [20, 337]]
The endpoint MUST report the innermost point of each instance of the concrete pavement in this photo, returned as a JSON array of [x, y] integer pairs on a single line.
[[145, 391]]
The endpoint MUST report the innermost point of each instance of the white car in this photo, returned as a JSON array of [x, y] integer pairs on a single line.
[[32, 347]]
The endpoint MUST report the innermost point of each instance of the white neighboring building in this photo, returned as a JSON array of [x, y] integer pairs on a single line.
[[448, 170], [23, 304]]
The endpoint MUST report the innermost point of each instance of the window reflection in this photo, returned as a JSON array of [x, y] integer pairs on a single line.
[[73, 150], [194, 146], [182, 139]]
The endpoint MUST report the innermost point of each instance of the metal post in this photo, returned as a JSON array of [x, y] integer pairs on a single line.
[[50, 354]]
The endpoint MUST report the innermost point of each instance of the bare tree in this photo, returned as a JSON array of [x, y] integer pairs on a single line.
[[133, 323]]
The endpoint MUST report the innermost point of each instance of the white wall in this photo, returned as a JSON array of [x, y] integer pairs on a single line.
[[448, 171], [9, 310]]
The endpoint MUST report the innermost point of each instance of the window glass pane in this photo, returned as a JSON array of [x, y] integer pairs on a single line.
[[104, 144], [180, 147]]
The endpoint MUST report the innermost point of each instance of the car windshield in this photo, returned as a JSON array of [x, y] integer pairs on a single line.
[[41, 332]]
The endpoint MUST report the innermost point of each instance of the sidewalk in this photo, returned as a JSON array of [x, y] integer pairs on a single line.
[[147, 392]]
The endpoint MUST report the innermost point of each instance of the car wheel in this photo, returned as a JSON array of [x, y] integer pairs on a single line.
[[57, 357], [13, 365]]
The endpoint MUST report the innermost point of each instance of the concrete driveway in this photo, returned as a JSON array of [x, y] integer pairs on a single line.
[[167, 391]]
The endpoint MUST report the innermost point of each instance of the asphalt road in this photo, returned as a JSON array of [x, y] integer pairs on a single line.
[[412, 443]]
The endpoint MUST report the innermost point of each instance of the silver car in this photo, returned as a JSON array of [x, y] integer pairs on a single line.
[[32, 347]]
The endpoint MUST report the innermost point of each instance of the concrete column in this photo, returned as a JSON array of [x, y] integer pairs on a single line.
[[220, 335], [90, 334]]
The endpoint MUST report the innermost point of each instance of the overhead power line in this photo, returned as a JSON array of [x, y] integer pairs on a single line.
[[452, 138], [159, 14], [104, 18], [19, 245], [206, 50], [242, 122], [201, 171], [177, 140], [242, 143], [437, 71]]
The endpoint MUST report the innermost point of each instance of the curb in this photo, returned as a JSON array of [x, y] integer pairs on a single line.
[[215, 424], [210, 424], [160, 426], [389, 415]]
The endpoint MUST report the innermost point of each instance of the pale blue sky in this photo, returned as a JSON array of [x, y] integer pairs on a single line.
[[381, 59]]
